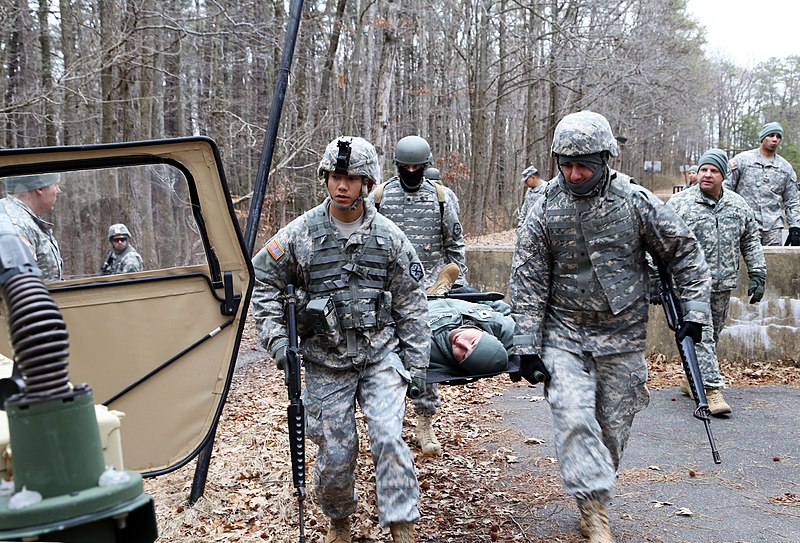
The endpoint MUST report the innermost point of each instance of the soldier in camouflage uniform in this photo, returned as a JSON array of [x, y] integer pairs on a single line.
[[473, 337], [122, 258], [30, 197], [412, 202], [726, 229], [377, 347], [535, 186], [691, 176], [768, 184], [579, 295]]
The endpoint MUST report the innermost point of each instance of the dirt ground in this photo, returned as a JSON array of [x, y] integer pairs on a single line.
[[476, 492]]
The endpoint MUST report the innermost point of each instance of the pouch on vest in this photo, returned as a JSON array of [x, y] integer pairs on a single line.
[[384, 310], [321, 315]]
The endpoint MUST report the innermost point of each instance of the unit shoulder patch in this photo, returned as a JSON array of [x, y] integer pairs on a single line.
[[415, 271]]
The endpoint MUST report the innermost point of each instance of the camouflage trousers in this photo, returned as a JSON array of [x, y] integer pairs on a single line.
[[707, 349], [593, 400], [772, 237], [428, 402], [330, 399]]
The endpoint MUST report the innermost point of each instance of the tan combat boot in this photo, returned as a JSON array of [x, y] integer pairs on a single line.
[[594, 522], [426, 438], [339, 531], [685, 388], [447, 277], [402, 532], [716, 403]]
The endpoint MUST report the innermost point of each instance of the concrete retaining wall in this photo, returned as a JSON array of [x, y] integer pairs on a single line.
[[764, 331]]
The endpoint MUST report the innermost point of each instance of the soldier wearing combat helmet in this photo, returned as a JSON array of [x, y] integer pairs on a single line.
[[579, 295], [374, 346], [427, 212], [122, 258]]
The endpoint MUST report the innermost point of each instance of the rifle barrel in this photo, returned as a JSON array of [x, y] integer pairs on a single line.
[[687, 352]]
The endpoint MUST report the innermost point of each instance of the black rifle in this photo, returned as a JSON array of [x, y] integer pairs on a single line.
[[687, 351], [469, 296], [296, 413], [107, 264]]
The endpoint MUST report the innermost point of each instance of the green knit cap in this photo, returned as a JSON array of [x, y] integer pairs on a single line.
[[770, 128], [27, 183], [717, 158]]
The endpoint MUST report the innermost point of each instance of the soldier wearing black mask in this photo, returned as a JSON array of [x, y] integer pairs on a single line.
[[427, 212]]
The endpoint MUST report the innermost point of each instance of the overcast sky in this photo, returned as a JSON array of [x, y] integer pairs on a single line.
[[749, 31]]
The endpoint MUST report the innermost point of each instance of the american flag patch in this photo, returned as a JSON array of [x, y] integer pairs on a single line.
[[275, 249]]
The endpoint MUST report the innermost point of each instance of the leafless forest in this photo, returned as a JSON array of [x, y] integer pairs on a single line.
[[484, 81]]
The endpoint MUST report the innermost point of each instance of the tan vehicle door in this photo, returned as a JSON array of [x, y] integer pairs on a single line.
[[158, 344]]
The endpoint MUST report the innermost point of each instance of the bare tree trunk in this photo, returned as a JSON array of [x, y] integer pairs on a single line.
[[70, 109], [330, 54], [473, 222], [47, 73], [109, 28], [381, 125]]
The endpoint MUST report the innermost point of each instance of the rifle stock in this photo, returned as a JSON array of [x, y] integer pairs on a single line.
[[296, 414], [687, 352]]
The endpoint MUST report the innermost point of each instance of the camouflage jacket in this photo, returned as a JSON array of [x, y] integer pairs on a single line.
[[435, 233], [128, 261], [286, 259], [531, 195], [37, 234], [620, 224], [447, 314], [725, 229], [768, 185]]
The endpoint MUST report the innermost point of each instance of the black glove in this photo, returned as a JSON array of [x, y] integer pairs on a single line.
[[416, 387], [794, 237], [531, 368], [692, 330], [756, 288], [281, 364]]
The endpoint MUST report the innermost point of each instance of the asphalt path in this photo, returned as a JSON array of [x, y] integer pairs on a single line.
[[669, 488]]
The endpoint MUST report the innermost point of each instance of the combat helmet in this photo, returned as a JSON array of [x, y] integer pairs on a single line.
[[433, 173], [351, 155], [584, 133], [412, 150], [118, 230]]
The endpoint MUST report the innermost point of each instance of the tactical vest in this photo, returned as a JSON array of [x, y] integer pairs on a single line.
[[597, 253], [357, 283], [418, 215]]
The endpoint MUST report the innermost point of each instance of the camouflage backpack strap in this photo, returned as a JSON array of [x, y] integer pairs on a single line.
[[378, 192]]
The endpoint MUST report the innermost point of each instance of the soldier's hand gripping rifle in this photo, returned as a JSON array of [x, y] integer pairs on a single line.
[[687, 352], [295, 412]]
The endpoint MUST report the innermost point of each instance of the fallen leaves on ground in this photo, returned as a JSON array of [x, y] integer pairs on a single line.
[[476, 492]]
